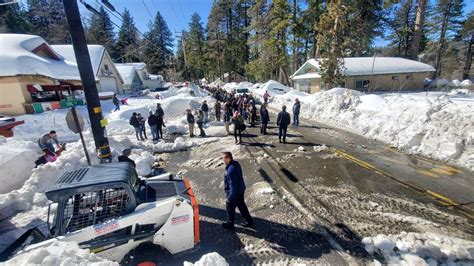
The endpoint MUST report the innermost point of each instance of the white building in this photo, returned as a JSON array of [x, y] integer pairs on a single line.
[[367, 73], [104, 69], [130, 77], [149, 81]]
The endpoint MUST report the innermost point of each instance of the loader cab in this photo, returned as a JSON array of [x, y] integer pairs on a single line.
[[91, 195]]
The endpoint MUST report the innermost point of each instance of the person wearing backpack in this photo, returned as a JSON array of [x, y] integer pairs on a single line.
[[239, 126], [136, 125]]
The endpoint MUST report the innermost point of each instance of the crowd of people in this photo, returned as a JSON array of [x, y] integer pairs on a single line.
[[155, 122]]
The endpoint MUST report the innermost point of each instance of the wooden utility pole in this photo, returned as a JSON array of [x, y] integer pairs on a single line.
[[183, 44]]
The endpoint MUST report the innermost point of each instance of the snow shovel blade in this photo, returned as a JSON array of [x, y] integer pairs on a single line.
[[31, 236]]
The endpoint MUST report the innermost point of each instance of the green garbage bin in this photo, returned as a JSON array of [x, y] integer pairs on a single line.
[[38, 107]]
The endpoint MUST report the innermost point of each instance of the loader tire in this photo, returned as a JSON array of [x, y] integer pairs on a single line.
[[146, 254]]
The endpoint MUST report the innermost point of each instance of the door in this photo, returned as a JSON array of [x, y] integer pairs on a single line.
[[108, 84]]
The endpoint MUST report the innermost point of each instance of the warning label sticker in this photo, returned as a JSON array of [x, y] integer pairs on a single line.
[[103, 229], [180, 219]]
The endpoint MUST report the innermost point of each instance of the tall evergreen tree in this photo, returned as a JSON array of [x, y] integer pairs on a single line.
[[101, 31], [48, 20], [446, 21], [364, 20], [467, 35], [214, 50], [13, 19], [280, 16], [158, 44], [401, 26], [195, 48], [333, 41], [126, 48], [418, 29]]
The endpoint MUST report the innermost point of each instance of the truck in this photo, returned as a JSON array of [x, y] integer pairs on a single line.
[[110, 210]]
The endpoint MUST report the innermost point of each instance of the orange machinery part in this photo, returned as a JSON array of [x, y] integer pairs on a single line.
[[195, 205]]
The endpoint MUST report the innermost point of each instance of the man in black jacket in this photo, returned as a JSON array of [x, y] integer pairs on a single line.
[[283, 121], [234, 187], [136, 125], [265, 117], [124, 157], [205, 109]]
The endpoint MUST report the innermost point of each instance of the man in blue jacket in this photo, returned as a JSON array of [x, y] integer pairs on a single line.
[[234, 187]]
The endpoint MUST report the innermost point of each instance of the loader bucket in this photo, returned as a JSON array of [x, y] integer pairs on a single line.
[[31, 236]]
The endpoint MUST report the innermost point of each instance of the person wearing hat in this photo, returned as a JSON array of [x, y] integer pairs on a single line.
[[125, 157], [205, 109]]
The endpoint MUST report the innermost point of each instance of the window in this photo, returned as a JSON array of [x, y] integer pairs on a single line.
[[394, 77], [106, 67], [409, 77], [362, 84]]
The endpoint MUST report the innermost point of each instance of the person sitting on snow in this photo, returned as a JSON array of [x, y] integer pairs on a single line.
[[125, 157], [46, 141], [47, 157]]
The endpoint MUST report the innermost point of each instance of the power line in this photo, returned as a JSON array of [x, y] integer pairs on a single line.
[[148, 10]]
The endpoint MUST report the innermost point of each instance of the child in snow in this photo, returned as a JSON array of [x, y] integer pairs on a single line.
[[47, 157]]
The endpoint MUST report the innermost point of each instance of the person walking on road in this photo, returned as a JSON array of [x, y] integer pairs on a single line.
[[234, 187], [136, 125], [190, 120], [200, 122], [46, 141], [265, 119], [217, 109], [283, 120], [253, 114], [142, 121], [205, 109], [116, 102], [153, 123], [239, 126], [266, 96], [296, 112]]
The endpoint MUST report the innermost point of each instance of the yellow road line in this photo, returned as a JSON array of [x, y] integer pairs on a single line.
[[427, 173], [442, 199], [442, 171]]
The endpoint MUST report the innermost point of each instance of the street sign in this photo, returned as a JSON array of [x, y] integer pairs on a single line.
[[71, 123]]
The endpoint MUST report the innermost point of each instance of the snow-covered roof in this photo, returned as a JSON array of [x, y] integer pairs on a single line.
[[360, 66], [18, 57], [96, 53], [312, 75], [127, 72]]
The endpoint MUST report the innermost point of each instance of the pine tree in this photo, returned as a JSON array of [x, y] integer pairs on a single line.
[[158, 46], [447, 20], [127, 46], [333, 42], [48, 20], [418, 29], [364, 20], [277, 43], [401, 26], [467, 35], [310, 20], [195, 48], [101, 31], [13, 19], [214, 47]]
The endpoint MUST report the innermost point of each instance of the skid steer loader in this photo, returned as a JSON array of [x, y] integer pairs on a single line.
[[108, 209]]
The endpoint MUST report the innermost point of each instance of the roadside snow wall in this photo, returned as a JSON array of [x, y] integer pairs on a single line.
[[436, 127]]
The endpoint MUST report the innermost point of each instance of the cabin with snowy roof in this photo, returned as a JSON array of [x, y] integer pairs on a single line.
[[367, 74], [131, 80], [36, 77]]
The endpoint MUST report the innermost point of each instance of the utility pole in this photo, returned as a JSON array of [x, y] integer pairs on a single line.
[[88, 80]]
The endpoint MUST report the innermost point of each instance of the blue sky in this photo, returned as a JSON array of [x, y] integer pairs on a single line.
[[177, 13]]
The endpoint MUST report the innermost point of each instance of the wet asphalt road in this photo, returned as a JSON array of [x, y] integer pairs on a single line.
[[335, 190]]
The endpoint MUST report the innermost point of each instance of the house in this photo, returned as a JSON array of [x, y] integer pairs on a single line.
[[106, 74], [232, 77], [130, 77], [149, 81], [34, 77], [367, 74]]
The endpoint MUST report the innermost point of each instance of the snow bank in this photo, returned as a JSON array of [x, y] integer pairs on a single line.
[[273, 87], [466, 83], [60, 253], [436, 127], [421, 249], [211, 259]]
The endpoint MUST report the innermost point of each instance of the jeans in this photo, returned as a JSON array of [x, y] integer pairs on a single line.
[[47, 145], [154, 132], [282, 133], [238, 202], [296, 119], [117, 107], [201, 130], [138, 131], [239, 132], [206, 117], [191, 129]]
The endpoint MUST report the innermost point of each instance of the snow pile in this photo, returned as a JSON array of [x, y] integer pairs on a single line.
[[211, 259], [466, 83], [421, 249], [59, 253], [273, 87], [436, 127]]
